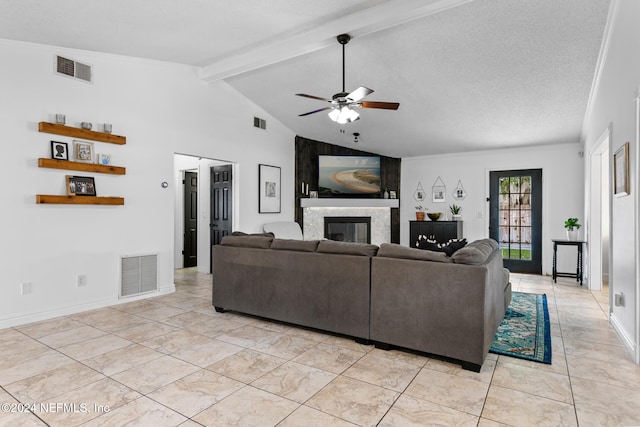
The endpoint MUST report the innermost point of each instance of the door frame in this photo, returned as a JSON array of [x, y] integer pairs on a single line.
[[595, 206], [517, 170], [204, 252], [186, 174]]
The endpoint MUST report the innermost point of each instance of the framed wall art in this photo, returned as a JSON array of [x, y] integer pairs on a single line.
[[419, 194], [459, 192], [84, 151], [269, 189], [59, 150], [81, 186], [438, 191], [621, 171]]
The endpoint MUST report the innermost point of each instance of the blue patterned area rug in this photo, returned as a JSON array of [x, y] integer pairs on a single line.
[[525, 332]]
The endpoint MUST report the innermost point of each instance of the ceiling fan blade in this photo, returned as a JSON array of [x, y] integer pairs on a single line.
[[315, 111], [382, 105], [359, 93], [313, 97]]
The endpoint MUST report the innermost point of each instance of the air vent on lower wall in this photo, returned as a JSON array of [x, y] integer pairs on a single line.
[[259, 123], [75, 69], [139, 275]]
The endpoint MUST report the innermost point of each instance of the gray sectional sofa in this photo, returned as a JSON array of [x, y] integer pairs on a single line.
[[391, 295]]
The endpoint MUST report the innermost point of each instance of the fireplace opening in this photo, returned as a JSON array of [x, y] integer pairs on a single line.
[[355, 229]]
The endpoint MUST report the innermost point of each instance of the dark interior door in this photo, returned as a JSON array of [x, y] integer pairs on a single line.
[[190, 251], [221, 207], [515, 206]]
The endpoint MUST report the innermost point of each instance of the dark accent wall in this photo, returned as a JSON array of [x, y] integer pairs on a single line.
[[307, 151]]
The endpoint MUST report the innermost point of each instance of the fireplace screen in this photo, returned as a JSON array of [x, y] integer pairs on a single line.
[[348, 229]]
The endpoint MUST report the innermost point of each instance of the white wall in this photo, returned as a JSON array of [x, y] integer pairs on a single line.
[[563, 186], [162, 109], [613, 104]]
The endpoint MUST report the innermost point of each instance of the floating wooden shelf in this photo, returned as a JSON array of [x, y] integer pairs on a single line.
[[81, 133], [78, 200], [84, 167]]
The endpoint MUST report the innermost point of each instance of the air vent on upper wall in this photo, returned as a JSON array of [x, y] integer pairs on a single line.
[[259, 123], [75, 69]]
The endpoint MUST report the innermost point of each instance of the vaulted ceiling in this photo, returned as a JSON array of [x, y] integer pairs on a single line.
[[468, 74]]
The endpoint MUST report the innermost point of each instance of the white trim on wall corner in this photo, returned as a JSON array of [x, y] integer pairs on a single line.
[[602, 59], [637, 225], [627, 340]]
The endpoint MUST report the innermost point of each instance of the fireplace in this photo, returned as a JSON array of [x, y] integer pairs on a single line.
[[348, 228]]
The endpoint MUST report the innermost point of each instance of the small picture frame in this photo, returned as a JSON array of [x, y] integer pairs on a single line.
[[269, 189], [104, 159], [84, 151], [59, 150], [439, 194], [80, 186], [621, 171], [313, 194], [393, 194]]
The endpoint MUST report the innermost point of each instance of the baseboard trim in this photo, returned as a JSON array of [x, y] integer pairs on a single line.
[[622, 333], [23, 319]]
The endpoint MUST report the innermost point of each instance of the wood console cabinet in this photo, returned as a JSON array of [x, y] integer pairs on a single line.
[[440, 231]]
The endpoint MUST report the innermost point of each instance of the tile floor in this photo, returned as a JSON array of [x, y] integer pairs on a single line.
[[172, 360]]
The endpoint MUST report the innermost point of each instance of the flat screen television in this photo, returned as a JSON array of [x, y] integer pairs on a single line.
[[349, 176]]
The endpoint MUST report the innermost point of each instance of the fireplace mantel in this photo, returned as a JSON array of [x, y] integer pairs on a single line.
[[349, 203]]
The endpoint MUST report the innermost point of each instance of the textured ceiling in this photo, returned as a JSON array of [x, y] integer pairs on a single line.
[[469, 75]]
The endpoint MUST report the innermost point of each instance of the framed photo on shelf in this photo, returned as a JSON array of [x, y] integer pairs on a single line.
[[59, 150], [84, 151], [621, 171], [269, 189], [81, 186], [104, 159], [393, 194]]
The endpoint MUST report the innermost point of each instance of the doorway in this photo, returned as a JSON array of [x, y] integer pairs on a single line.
[[202, 204], [190, 203], [221, 204], [599, 212], [515, 208]]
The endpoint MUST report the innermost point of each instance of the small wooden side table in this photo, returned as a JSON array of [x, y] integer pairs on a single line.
[[562, 242]]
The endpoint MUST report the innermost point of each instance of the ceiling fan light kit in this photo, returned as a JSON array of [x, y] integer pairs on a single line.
[[343, 115], [343, 103]]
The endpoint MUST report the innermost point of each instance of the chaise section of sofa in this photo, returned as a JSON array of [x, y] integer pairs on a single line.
[[431, 303], [323, 285]]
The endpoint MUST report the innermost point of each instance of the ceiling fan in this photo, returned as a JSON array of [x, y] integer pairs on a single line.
[[342, 103]]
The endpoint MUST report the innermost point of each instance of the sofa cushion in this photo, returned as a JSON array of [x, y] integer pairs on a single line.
[[347, 248], [295, 245], [476, 252], [240, 233], [248, 241], [393, 250]]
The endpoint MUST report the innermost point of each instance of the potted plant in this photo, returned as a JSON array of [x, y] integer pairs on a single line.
[[572, 227], [420, 213], [455, 212]]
